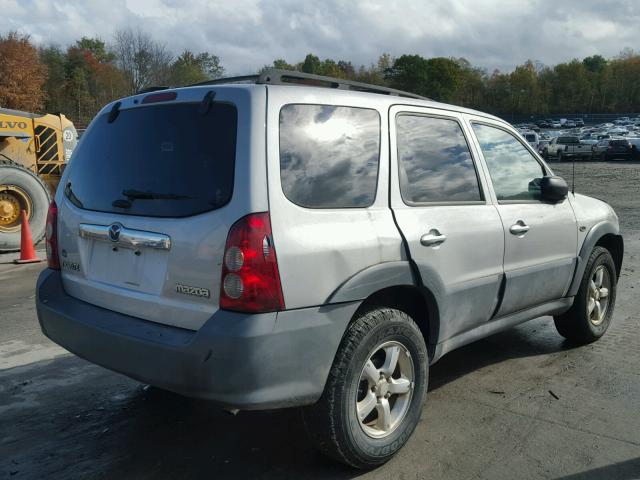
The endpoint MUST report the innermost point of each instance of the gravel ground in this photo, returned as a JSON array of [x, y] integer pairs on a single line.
[[520, 404]]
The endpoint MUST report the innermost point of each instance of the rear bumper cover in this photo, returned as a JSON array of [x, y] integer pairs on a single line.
[[238, 360]]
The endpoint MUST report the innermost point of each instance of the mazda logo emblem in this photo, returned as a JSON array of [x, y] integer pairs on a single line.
[[114, 232]]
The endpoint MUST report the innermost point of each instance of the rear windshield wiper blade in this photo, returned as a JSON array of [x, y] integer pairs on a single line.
[[138, 194]]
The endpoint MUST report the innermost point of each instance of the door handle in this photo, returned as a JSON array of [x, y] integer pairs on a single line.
[[519, 228], [433, 238]]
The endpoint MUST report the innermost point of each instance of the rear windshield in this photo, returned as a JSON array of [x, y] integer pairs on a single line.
[[530, 137], [619, 143], [159, 161]]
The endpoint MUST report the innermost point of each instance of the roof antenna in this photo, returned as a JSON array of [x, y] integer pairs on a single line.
[[573, 175]]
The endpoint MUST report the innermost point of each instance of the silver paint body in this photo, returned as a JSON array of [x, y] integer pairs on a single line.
[[334, 256]]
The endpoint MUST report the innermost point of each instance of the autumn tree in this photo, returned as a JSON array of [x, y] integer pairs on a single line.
[[22, 75], [81, 79]]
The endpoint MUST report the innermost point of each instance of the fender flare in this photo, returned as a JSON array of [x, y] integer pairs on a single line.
[[372, 279], [596, 233]]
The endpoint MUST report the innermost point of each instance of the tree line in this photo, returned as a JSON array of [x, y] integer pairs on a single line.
[[79, 79], [591, 85]]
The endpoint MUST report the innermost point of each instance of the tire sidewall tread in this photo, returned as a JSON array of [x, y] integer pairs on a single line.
[[12, 173], [575, 325], [332, 423]]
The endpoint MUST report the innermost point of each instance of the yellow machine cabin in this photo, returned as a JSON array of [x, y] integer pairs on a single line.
[[34, 150]]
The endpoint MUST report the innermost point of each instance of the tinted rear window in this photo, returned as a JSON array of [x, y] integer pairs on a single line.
[[329, 155], [568, 140], [159, 161]]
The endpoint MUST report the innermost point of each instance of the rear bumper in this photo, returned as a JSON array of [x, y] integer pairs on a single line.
[[243, 361]]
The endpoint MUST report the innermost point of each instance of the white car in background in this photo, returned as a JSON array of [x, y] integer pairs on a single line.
[[532, 138]]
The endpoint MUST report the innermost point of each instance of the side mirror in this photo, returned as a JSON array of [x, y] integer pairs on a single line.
[[553, 189]]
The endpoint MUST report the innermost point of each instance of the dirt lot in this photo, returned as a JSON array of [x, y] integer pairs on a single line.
[[521, 404]]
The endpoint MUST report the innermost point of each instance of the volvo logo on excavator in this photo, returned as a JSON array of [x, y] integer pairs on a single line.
[[13, 125]]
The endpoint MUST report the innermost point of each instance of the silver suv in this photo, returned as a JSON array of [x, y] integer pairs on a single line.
[[287, 240]]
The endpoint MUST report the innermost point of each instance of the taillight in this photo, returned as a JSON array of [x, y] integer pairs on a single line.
[[250, 278], [51, 237]]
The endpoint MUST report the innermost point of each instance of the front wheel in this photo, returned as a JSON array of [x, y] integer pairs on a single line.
[[377, 385], [590, 316]]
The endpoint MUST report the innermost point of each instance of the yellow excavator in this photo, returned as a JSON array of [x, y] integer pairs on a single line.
[[34, 150]]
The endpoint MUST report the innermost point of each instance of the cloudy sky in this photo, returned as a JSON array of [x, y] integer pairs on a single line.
[[247, 34]]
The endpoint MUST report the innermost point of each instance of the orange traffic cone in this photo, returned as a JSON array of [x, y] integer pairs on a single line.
[[27, 252]]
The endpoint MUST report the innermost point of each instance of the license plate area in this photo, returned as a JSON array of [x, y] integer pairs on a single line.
[[137, 261]]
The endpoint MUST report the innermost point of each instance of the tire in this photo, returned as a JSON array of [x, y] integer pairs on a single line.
[[559, 156], [333, 423], [579, 324], [15, 175]]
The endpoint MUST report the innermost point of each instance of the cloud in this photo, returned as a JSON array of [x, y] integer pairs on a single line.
[[247, 34]]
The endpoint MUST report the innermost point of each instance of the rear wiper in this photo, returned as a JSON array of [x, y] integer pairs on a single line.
[[138, 194]]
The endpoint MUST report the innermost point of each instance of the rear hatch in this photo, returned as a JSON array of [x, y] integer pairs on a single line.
[[146, 205]]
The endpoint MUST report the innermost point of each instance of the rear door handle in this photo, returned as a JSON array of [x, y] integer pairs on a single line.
[[433, 238], [519, 228]]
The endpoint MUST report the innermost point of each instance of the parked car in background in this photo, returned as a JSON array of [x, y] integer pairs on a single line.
[[556, 124], [570, 124], [579, 122], [565, 147], [618, 131], [542, 144], [532, 138], [588, 139], [611, 149], [635, 147]]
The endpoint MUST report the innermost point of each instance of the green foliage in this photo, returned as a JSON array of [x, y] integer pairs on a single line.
[[97, 48], [594, 84], [189, 68]]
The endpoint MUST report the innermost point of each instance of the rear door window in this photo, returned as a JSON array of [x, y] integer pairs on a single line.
[[329, 155], [434, 161], [158, 161]]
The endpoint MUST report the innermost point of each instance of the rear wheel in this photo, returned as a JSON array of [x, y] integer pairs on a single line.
[[590, 316], [20, 189], [375, 391]]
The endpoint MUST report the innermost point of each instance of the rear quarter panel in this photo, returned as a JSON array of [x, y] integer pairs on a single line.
[[321, 249]]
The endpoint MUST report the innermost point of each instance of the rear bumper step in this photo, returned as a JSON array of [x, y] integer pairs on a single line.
[[244, 361]]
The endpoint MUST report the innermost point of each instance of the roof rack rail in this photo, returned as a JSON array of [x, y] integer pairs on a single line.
[[151, 89], [288, 77]]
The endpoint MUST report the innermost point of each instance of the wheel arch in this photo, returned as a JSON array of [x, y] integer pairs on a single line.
[[605, 234], [615, 245], [417, 302]]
